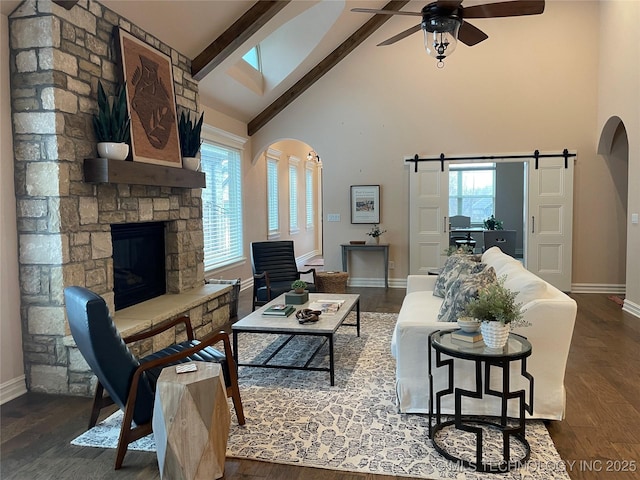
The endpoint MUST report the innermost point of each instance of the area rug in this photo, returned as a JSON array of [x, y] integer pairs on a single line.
[[297, 418]]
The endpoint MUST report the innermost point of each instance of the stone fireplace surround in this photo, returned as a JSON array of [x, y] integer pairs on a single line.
[[56, 58]]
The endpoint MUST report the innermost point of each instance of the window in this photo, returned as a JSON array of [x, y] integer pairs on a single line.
[[221, 205], [293, 195], [472, 190], [272, 197], [309, 213], [252, 57]]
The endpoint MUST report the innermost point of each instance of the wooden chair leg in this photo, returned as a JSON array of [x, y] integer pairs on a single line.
[[234, 392], [128, 435], [99, 402]]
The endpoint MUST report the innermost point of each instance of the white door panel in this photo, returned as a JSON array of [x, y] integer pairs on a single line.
[[428, 222], [550, 222]]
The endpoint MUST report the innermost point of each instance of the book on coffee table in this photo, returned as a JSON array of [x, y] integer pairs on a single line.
[[470, 337], [279, 310], [330, 307]]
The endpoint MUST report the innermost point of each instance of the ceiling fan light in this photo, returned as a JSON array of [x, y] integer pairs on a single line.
[[440, 36]]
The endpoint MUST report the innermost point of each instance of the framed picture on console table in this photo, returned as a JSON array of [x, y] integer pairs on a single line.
[[365, 203], [148, 75]]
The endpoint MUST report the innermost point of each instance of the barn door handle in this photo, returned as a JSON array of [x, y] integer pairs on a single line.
[[444, 224], [533, 224]]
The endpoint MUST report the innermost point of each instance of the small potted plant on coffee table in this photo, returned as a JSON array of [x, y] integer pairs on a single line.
[[298, 286]]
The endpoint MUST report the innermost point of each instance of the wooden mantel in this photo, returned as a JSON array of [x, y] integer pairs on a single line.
[[102, 170]]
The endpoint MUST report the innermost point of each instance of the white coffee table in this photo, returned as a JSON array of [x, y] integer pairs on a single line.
[[325, 327]]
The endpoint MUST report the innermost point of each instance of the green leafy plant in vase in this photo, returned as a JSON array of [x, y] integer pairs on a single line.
[[298, 286], [111, 124], [189, 132], [497, 310], [492, 223]]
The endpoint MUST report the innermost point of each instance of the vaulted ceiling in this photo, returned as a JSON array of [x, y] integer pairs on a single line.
[[295, 37], [300, 40]]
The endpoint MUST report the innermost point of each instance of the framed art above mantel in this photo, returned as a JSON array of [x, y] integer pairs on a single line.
[[365, 203], [148, 77]]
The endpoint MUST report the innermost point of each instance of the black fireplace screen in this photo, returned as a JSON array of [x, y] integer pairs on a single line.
[[138, 262]]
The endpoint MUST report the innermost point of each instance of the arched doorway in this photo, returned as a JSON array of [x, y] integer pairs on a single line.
[[288, 159], [614, 148]]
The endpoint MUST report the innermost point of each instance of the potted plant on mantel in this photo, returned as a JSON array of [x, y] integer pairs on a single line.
[[496, 308], [189, 132], [111, 124]]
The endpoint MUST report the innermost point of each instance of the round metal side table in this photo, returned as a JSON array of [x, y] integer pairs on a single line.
[[517, 348]]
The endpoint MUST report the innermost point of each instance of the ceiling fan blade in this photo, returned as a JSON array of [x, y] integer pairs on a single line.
[[470, 35], [400, 36], [505, 9], [385, 12]]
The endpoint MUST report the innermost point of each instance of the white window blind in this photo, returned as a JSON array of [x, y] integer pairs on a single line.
[[293, 199], [308, 180], [221, 205], [272, 195]]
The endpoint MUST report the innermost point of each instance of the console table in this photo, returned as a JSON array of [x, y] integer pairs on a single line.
[[383, 247]]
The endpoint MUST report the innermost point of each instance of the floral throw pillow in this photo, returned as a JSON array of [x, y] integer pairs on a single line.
[[462, 291], [455, 266]]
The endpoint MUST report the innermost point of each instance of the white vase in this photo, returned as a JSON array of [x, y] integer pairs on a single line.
[[191, 163], [495, 334], [113, 150]]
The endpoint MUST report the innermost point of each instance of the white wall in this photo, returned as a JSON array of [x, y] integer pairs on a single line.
[[531, 85], [12, 383], [619, 95]]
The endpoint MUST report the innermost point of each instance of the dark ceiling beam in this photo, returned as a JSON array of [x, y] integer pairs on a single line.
[[323, 67], [68, 4], [238, 33]]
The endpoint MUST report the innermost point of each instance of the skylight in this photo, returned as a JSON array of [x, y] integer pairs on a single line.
[[252, 57]]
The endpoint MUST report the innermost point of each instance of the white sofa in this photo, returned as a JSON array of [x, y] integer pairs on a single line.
[[550, 312]]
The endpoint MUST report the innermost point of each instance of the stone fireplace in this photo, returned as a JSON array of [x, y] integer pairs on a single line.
[[64, 222]]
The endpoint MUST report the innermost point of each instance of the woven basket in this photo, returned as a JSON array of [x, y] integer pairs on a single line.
[[332, 282]]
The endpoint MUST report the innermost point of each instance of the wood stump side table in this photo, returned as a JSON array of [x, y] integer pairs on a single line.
[[191, 423]]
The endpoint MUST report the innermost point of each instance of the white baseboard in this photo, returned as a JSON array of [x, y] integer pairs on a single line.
[[598, 288], [12, 389], [377, 282], [302, 260], [632, 308]]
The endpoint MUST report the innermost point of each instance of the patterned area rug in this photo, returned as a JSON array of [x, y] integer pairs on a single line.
[[297, 418]]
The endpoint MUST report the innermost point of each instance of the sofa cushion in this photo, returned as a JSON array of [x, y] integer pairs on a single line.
[[528, 286], [455, 266], [462, 291], [499, 260]]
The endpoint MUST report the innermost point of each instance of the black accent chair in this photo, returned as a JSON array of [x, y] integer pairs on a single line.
[[274, 268], [130, 383]]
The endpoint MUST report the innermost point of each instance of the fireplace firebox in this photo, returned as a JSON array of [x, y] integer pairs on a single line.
[[138, 262]]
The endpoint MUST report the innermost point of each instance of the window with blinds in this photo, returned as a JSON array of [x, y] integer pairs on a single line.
[[472, 191], [308, 184], [293, 199], [272, 196], [221, 205]]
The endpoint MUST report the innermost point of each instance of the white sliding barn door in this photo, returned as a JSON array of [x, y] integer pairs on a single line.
[[549, 239], [428, 216]]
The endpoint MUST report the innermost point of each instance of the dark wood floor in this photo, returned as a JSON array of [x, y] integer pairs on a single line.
[[599, 438]]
